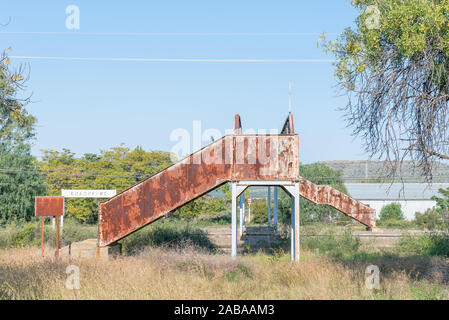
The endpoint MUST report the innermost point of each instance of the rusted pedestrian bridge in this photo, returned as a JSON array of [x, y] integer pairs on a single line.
[[243, 160]]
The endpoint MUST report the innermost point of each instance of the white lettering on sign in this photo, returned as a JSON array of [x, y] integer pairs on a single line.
[[88, 193]]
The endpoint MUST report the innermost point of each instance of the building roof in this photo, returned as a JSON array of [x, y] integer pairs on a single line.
[[395, 191]]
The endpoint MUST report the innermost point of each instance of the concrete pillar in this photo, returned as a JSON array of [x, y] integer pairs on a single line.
[[297, 221], [275, 211], [234, 220], [269, 206], [292, 229]]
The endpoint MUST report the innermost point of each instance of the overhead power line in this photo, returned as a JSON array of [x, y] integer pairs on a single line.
[[145, 34], [211, 60]]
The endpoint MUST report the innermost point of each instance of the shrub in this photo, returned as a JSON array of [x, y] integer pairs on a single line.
[[392, 211], [433, 244], [74, 231], [203, 205], [215, 205], [30, 234], [167, 234], [337, 246], [259, 211], [27, 235], [431, 219], [7, 234]]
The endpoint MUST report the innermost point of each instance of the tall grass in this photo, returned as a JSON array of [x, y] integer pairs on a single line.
[[173, 259], [188, 274]]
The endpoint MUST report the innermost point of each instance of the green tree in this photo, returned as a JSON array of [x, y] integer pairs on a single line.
[[443, 201], [16, 125], [259, 211], [394, 66], [118, 168], [318, 173], [392, 211], [321, 174], [207, 204], [431, 219], [20, 180]]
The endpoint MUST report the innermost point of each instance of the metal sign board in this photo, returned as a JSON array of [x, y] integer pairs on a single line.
[[88, 193], [49, 206]]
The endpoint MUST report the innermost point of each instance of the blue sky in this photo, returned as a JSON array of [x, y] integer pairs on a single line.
[[86, 106]]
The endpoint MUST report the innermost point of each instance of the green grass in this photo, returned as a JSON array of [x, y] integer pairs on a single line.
[[425, 290], [173, 233], [432, 244], [336, 242], [397, 224], [341, 246], [29, 234]]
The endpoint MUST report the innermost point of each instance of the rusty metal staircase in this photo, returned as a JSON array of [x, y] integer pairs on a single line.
[[338, 200], [237, 157]]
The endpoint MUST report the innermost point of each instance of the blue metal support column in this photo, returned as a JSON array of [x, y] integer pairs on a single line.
[[269, 207], [275, 211], [242, 213]]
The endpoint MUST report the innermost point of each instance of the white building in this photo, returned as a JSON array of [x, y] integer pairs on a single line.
[[413, 197]]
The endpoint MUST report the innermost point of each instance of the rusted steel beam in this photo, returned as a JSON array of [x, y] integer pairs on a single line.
[[232, 158], [340, 201]]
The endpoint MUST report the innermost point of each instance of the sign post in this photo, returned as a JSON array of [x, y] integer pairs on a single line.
[[50, 207]]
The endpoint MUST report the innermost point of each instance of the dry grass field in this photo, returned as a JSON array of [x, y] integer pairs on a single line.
[[159, 273]]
